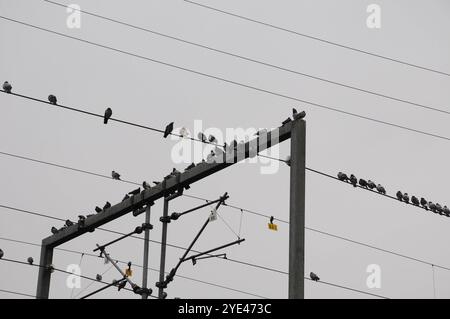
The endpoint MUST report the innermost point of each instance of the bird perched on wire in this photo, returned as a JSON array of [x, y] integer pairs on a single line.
[[446, 211], [381, 189], [439, 209], [432, 207], [399, 195], [52, 99], [98, 277], [313, 276], [121, 285], [212, 139], [1, 254], [30, 260], [168, 130], [353, 180], [342, 177], [115, 175], [135, 191], [107, 205], [7, 87], [297, 115], [363, 183], [146, 185], [424, 203], [406, 198], [415, 201], [54, 230], [202, 137], [371, 184], [107, 116], [69, 223]]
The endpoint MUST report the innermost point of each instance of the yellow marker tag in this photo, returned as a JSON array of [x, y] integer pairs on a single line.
[[128, 272], [273, 227]]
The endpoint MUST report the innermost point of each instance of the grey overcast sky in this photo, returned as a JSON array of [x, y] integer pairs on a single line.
[[80, 75]]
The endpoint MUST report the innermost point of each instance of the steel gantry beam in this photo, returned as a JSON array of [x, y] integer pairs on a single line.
[[174, 183]]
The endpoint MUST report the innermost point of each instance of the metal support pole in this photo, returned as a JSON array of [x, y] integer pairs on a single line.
[[146, 250], [43, 286], [297, 211], [162, 267]]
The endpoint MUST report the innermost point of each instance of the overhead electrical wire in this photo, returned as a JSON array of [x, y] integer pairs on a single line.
[[318, 105], [239, 56], [242, 17]]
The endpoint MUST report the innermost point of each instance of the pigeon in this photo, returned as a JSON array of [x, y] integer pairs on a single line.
[[202, 137], [146, 185], [424, 203], [353, 180], [7, 87], [54, 230], [184, 132], [297, 115], [190, 167], [314, 277], [108, 114], [342, 177], [1, 254], [30, 260], [363, 183], [212, 139], [286, 121], [69, 223], [115, 175], [432, 207], [121, 285], [210, 157], [125, 197], [107, 205], [415, 201], [98, 209], [371, 184], [98, 277], [446, 211], [399, 196], [52, 99], [406, 198], [439, 209], [271, 219], [135, 192], [381, 189], [175, 172], [168, 130]]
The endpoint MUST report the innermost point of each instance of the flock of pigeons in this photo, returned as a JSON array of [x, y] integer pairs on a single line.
[[7, 87], [403, 197]]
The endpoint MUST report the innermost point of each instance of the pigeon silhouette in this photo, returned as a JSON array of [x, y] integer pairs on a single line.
[[406, 198], [424, 203], [212, 139], [168, 130], [415, 201], [363, 183], [314, 277], [30, 260], [52, 99], [446, 211], [342, 177], [54, 230], [286, 121], [146, 185], [115, 175], [7, 87], [1, 254], [202, 137], [399, 195], [69, 223], [297, 115], [107, 116], [381, 189], [439, 209], [432, 207], [98, 277], [107, 205], [135, 192], [98, 209], [353, 180], [371, 184]]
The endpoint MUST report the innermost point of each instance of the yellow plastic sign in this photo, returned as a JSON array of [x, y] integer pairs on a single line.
[[273, 227], [128, 272]]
